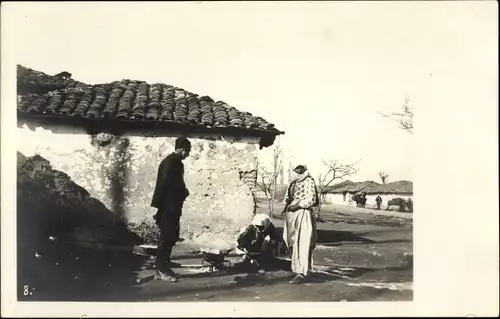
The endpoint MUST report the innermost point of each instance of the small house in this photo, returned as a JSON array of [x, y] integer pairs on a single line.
[[110, 138]]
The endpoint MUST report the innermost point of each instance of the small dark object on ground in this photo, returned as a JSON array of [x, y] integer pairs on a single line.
[[215, 258], [257, 277]]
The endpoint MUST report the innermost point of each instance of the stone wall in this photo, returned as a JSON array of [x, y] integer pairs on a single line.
[[121, 173]]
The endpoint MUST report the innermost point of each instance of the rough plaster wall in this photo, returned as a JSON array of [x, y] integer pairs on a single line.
[[122, 176]]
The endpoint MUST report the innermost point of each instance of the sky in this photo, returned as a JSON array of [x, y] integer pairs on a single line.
[[318, 71]]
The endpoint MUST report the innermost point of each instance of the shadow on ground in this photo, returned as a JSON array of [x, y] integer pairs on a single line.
[[366, 241], [222, 283], [333, 237]]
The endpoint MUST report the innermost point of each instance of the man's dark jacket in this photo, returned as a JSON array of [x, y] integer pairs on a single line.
[[170, 190]]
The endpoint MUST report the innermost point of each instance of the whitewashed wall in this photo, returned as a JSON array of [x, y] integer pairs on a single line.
[[220, 202]]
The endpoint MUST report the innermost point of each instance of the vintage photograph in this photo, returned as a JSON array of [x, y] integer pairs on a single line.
[[244, 152], [249, 159], [256, 159]]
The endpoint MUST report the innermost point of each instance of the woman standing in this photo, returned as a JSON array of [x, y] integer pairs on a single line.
[[299, 231]]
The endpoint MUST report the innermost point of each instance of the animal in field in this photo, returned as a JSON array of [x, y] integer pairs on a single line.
[[360, 199]]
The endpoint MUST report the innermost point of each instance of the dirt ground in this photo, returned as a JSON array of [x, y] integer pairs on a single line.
[[359, 257]]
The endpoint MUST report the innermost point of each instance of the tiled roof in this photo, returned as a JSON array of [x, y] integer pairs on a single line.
[[395, 187], [340, 187], [42, 95], [371, 187]]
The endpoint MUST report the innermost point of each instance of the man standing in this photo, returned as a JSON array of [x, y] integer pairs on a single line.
[[168, 197], [379, 201]]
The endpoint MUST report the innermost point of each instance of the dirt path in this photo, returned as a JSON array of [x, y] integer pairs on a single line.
[[275, 287], [364, 261], [353, 210], [351, 215]]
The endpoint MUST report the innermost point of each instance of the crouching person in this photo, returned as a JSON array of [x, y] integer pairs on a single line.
[[258, 241]]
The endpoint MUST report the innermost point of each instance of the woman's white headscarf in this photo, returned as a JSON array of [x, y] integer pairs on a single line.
[[261, 220], [300, 177]]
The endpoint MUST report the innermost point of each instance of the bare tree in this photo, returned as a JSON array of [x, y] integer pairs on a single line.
[[265, 185], [334, 171], [384, 177], [404, 118], [268, 179]]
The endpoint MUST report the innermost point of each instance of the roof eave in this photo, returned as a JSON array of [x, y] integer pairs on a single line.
[[147, 127]]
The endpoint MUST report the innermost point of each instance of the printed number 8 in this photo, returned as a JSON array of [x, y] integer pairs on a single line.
[[26, 292]]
